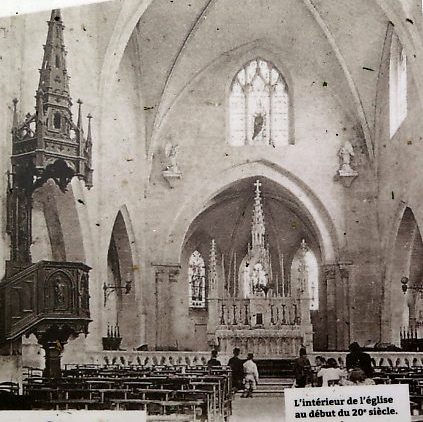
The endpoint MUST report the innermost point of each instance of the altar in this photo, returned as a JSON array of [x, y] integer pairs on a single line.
[[260, 314]]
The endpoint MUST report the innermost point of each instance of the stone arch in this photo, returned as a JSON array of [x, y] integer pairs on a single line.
[[57, 233], [404, 259], [310, 203], [121, 306]]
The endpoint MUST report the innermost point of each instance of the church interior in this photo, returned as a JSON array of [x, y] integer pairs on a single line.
[[186, 176]]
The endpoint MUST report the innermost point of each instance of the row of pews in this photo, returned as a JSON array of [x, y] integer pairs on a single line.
[[166, 393], [413, 376]]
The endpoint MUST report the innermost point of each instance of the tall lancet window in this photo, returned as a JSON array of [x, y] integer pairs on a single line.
[[197, 281], [397, 85], [258, 106], [305, 274]]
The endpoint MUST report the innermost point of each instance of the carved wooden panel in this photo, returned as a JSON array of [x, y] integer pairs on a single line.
[[46, 291]]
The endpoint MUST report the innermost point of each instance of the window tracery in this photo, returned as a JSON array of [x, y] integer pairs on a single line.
[[258, 106]]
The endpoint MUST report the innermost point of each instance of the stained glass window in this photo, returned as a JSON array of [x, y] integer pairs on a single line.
[[397, 85], [197, 281], [258, 106]]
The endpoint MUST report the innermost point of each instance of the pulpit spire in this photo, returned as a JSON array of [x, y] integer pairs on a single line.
[[53, 73]]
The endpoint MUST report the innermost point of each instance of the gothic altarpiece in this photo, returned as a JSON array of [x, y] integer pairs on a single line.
[[259, 313]]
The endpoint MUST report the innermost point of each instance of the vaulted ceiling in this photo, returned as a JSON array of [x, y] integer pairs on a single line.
[[334, 41], [228, 217]]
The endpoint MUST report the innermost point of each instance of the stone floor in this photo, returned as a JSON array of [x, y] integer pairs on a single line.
[[260, 408]]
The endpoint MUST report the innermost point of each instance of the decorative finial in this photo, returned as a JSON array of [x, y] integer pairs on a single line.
[[79, 122], [213, 268], [15, 113], [89, 117]]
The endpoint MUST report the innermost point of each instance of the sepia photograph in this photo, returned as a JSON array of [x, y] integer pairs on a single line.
[[211, 210]]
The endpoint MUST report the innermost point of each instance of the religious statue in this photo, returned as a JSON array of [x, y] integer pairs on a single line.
[[259, 279], [345, 153], [59, 292], [258, 125], [171, 152], [171, 173]]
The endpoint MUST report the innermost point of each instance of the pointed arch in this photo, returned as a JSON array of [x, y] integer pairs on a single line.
[[304, 196], [402, 310], [121, 304]]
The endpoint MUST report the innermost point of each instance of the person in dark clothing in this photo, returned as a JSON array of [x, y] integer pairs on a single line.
[[302, 369], [359, 359], [236, 365], [213, 361]]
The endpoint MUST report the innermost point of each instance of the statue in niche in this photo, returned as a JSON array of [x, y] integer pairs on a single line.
[[345, 153], [171, 151], [59, 292], [256, 280], [259, 279]]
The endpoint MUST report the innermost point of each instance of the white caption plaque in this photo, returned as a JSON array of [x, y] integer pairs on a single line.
[[372, 403], [73, 416]]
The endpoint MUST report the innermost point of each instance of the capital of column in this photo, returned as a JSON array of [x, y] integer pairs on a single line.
[[329, 271]]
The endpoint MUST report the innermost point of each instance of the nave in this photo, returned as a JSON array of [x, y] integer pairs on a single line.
[[236, 174]]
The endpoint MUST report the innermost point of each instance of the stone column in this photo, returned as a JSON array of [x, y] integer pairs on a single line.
[[166, 276], [344, 296], [329, 272]]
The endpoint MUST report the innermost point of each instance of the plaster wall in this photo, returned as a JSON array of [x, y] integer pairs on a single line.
[[193, 114]]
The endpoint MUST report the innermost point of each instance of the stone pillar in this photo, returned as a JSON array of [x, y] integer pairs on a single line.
[[166, 277], [345, 316], [329, 272]]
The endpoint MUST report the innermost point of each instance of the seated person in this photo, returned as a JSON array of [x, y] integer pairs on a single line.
[[213, 361], [357, 377], [359, 359], [320, 363], [331, 375]]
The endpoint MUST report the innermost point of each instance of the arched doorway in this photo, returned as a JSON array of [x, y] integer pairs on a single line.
[[406, 309], [120, 308]]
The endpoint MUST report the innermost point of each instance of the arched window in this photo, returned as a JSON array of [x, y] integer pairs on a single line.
[[397, 85], [197, 281], [258, 106], [305, 274]]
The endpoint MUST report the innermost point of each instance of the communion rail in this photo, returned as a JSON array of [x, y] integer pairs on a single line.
[[172, 358]]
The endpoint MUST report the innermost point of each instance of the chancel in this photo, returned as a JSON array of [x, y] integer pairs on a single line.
[[259, 310], [185, 183]]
